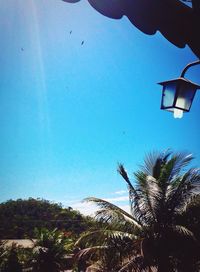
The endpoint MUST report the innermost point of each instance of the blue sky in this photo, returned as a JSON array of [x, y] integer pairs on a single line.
[[70, 112]]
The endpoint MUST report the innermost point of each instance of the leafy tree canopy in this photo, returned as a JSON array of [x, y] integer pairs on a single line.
[[20, 217]]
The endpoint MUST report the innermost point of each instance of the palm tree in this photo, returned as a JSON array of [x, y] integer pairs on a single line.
[[153, 237], [50, 251]]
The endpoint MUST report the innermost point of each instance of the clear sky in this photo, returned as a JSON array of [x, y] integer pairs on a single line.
[[69, 112]]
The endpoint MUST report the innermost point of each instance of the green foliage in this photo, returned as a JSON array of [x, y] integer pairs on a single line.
[[2, 254], [19, 218], [11, 262], [162, 231], [50, 250]]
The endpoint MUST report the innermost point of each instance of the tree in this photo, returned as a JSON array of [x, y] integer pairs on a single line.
[[50, 250], [177, 22], [2, 253], [12, 263], [155, 233], [20, 217]]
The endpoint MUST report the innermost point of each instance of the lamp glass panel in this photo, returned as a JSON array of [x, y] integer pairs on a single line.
[[186, 94], [169, 91]]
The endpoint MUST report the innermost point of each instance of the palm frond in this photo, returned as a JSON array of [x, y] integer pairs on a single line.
[[149, 163], [137, 264], [151, 186], [150, 195], [134, 198], [109, 210], [183, 188], [130, 265], [88, 253], [154, 161], [121, 170], [172, 168], [183, 231], [102, 236], [194, 201], [180, 161]]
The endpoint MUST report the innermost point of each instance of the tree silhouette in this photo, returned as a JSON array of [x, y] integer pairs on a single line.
[[50, 251], [12, 263], [157, 233]]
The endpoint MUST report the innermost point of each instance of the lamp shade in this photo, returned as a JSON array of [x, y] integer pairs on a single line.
[[177, 95]]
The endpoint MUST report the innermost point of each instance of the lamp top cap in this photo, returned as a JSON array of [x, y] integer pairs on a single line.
[[180, 79]]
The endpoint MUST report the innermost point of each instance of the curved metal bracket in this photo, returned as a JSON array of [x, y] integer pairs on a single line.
[[188, 66]]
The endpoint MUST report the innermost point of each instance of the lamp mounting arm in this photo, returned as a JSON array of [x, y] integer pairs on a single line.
[[188, 66]]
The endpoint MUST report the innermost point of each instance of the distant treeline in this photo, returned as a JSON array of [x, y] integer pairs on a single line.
[[19, 218]]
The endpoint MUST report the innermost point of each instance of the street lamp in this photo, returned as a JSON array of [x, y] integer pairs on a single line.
[[178, 94]]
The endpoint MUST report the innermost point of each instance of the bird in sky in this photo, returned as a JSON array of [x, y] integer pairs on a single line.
[[82, 42], [70, 32], [176, 21]]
